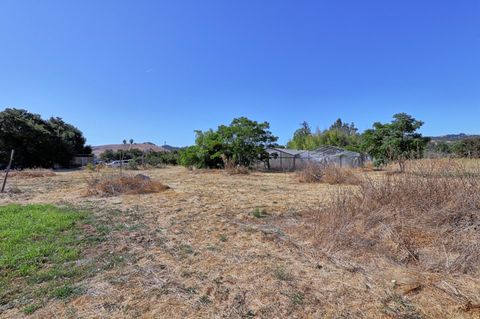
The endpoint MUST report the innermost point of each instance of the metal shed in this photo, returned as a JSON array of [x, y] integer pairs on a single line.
[[283, 159], [290, 159], [331, 155]]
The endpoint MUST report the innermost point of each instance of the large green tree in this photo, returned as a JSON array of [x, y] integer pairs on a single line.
[[396, 141], [38, 142], [243, 142]]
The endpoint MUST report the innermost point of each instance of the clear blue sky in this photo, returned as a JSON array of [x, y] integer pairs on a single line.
[[157, 70]]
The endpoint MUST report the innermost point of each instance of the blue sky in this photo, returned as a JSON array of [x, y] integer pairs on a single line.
[[157, 70]]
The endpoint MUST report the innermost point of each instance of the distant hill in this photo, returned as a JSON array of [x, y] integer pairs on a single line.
[[147, 146], [450, 138], [170, 148]]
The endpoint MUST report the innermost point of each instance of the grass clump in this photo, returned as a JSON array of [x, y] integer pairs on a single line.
[[111, 185], [259, 213], [32, 173], [329, 174], [281, 274], [234, 169], [66, 291]]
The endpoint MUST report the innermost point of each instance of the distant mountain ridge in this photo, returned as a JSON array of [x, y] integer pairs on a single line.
[[146, 146], [450, 138]]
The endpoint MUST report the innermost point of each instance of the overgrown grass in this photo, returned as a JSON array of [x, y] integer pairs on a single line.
[[39, 245], [329, 174], [32, 173], [429, 220], [113, 184]]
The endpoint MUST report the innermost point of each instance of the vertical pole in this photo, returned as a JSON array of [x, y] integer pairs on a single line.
[[8, 170]]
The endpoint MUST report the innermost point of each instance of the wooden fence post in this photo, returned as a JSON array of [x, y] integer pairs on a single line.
[[8, 170]]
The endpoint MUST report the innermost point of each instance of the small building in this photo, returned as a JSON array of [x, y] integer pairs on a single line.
[[283, 159], [332, 155], [81, 160], [290, 160]]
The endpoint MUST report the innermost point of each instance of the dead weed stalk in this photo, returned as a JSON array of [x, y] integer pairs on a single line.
[[430, 220], [113, 184]]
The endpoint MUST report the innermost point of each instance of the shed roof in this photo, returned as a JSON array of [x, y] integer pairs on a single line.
[[291, 152]]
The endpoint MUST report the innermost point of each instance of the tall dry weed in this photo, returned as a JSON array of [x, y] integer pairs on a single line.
[[115, 184], [234, 169], [32, 173], [431, 220], [329, 174]]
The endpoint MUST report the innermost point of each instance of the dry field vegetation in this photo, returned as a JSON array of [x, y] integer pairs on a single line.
[[216, 244]]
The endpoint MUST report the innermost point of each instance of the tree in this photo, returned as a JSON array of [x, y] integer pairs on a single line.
[[301, 137], [339, 134], [243, 142], [38, 142], [469, 147], [396, 141], [131, 141], [152, 158]]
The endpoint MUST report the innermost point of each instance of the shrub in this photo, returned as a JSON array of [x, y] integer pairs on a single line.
[[235, 169], [132, 164], [337, 175], [111, 185], [312, 173]]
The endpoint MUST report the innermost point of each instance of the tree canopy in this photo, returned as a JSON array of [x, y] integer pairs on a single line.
[[396, 141], [339, 134], [38, 142], [242, 142]]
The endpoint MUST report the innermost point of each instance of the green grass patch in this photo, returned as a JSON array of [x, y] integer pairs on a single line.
[[39, 245], [259, 213]]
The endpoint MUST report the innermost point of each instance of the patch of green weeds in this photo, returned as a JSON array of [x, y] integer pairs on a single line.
[[281, 274], [40, 254], [205, 300], [259, 213], [297, 298]]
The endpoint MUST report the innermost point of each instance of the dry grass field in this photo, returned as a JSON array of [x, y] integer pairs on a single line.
[[265, 245]]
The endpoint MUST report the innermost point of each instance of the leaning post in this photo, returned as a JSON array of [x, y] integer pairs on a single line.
[[8, 170]]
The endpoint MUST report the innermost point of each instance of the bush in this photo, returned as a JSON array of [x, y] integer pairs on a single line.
[[90, 167], [312, 173], [152, 158], [132, 164], [111, 185]]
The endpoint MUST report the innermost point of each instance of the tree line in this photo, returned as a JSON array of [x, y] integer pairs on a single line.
[[46, 142], [244, 142], [137, 157], [38, 142]]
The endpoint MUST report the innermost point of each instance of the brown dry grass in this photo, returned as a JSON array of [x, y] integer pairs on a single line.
[[233, 169], [329, 174], [32, 173], [197, 251], [115, 184], [426, 221]]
